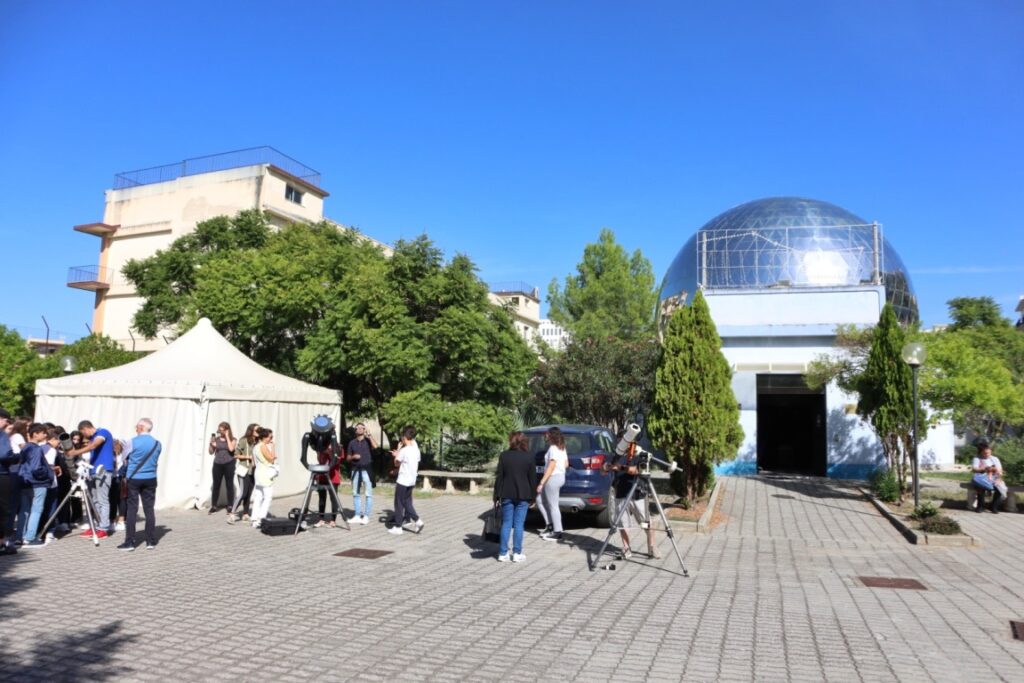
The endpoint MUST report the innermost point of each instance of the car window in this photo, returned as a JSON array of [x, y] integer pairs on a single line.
[[606, 441], [574, 443]]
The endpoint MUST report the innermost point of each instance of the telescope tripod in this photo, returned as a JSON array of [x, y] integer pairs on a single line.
[[90, 512], [331, 491], [643, 480]]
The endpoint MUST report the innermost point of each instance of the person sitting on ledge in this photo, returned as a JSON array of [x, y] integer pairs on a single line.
[[988, 476]]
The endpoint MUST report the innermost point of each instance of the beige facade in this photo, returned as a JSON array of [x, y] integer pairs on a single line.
[[523, 302], [147, 216]]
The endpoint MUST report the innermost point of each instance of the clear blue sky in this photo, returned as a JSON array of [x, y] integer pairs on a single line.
[[513, 132]]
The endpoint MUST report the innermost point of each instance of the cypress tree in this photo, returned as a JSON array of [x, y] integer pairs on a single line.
[[694, 417], [886, 393]]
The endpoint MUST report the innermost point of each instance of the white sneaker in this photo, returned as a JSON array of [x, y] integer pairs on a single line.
[[119, 526], [419, 525], [396, 530], [518, 557], [505, 558], [50, 538], [364, 520]]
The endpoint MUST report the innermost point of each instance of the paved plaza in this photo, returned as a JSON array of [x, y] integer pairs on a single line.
[[772, 596]]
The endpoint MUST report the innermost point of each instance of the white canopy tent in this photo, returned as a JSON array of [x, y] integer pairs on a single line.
[[187, 389]]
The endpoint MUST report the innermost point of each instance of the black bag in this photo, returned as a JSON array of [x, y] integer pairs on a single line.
[[278, 526], [492, 526]]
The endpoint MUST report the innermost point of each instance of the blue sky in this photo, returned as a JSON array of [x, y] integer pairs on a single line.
[[513, 132]]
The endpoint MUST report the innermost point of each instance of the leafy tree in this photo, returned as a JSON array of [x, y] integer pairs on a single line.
[[980, 311], [886, 395], [612, 293], [21, 368], [92, 352], [597, 380], [694, 416], [167, 279]]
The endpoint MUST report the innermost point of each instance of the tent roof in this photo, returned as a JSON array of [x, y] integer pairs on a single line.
[[200, 362]]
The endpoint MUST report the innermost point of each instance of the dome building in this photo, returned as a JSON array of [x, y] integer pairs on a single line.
[[779, 274]]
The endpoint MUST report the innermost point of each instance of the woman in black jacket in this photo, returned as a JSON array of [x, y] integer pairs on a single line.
[[515, 489]]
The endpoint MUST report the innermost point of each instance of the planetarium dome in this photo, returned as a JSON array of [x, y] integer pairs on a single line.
[[789, 242]]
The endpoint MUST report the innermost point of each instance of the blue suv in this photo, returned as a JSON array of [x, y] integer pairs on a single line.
[[586, 487]]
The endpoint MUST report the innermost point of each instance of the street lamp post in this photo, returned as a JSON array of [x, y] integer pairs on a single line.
[[914, 354]]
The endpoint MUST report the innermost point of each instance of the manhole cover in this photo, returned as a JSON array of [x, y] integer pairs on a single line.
[[889, 582], [363, 553], [1017, 629]]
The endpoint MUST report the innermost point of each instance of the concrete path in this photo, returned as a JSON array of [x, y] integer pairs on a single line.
[[773, 596]]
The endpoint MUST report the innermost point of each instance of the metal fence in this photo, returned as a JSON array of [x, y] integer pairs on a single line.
[[239, 158], [90, 274], [501, 287]]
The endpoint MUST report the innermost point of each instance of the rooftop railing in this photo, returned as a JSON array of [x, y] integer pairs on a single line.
[[506, 287], [252, 156]]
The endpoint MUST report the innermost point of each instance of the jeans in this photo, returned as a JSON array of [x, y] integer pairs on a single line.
[[145, 489], [226, 472], [513, 517], [261, 498], [549, 502], [32, 500], [100, 491], [404, 511], [359, 474], [245, 484]]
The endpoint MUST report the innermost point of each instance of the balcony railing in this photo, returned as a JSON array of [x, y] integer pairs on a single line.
[[512, 287], [92, 278], [252, 156]]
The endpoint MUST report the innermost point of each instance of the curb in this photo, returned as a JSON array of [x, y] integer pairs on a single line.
[[919, 537], [705, 520]]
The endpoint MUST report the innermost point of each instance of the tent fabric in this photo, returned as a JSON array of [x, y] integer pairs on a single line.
[[187, 389]]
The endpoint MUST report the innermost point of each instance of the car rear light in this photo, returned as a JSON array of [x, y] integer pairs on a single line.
[[593, 462], [595, 501]]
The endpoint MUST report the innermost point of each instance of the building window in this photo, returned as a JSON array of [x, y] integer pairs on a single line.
[[515, 301], [292, 195]]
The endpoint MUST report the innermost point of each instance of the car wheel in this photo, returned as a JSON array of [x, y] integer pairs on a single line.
[[604, 517]]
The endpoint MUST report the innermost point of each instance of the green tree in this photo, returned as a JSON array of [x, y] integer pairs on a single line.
[[975, 311], [598, 380], [612, 293], [21, 368], [694, 417], [92, 352], [886, 398]]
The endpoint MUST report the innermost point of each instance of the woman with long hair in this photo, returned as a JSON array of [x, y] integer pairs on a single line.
[[222, 447], [244, 481], [555, 463], [515, 489], [266, 472]]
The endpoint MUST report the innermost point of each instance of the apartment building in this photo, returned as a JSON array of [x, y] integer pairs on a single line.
[[523, 302], [147, 209]]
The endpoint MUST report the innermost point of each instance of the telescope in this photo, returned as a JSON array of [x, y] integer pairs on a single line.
[[628, 446], [65, 442]]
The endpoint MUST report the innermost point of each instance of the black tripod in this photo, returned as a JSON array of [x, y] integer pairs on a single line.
[[79, 486], [313, 485], [643, 481]]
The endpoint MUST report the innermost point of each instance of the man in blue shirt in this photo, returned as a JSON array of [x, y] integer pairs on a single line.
[[140, 473], [100, 447]]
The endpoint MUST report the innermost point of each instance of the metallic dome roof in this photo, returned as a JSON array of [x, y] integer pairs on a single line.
[[789, 242]]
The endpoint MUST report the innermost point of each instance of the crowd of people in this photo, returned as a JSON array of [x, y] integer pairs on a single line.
[[41, 464]]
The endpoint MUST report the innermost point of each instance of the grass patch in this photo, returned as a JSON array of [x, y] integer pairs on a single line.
[[953, 476]]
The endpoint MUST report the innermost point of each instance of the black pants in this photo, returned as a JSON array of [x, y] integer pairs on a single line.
[[323, 496], [404, 511], [118, 505], [7, 492], [227, 472], [145, 489], [248, 484]]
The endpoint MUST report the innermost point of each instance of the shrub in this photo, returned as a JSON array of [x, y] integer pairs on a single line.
[[469, 455], [924, 511], [1011, 454], [884, 486], [941, 525]]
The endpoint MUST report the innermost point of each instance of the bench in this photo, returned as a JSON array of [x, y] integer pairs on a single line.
[[1009, 503], [474, 479]]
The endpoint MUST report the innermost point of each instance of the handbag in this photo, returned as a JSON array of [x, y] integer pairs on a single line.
[[492, 526], [125, 480]]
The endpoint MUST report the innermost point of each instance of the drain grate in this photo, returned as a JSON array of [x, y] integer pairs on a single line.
[[1017, 629], [363, 553], [890, 582]]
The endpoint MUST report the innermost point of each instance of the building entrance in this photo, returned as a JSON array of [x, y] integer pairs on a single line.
[[790, 426]]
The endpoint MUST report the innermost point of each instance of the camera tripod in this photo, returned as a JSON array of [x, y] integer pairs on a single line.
[[78, 485], [314, 472], [643, 482]]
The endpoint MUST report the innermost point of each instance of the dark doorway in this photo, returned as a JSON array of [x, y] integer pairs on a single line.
[[790, 426]]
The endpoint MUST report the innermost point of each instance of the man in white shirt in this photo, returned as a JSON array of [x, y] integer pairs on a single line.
[[988, 476], [407, 458]]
